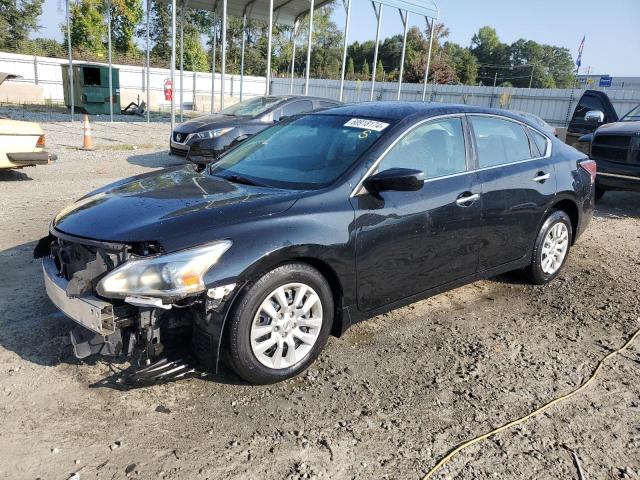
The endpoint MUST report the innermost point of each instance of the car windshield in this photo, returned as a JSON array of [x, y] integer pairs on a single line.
[[252, 107], [632, 116], [309, 152]]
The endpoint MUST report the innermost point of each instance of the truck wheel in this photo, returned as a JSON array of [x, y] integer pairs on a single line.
[[280, 324], [551, 248]]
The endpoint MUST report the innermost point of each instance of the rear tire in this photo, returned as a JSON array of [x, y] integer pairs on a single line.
[[551, 248], [280, 324]]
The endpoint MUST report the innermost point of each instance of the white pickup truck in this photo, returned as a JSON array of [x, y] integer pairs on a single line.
[[21, 143]]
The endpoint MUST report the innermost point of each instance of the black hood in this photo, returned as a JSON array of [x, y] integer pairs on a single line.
[[209, 122], [619, 128], [178, 208]]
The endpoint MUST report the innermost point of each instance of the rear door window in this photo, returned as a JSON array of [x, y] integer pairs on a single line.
[[499, 141], [435, 148]]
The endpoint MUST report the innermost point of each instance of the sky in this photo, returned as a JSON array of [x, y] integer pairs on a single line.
[[612, 27]]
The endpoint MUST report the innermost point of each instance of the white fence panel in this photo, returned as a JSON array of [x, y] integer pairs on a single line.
[[553, 105], [47, 72]]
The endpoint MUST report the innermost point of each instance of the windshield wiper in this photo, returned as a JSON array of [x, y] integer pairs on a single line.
[[240, 179]]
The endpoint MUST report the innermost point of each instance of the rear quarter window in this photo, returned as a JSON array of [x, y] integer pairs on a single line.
[[539, 142]]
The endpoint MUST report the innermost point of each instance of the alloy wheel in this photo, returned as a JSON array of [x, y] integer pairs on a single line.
[[286, 326], [554, 248]]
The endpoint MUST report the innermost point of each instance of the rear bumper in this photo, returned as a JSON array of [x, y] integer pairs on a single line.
[[27, 159]]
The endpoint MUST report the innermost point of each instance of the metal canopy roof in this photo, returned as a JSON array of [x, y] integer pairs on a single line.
[[425, 8], [286, 12]]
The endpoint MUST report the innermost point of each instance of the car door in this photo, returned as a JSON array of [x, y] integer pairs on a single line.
[[518, 183], [409, 242]]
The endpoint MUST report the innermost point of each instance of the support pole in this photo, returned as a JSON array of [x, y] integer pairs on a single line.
[[426, 70], [173, 63], [110, 65], [181, 60], [244, 39], [405, 21], [378, 12], [269, 40], [213, 64], [148, 65], [223, 53], [306, 79], [293, 54], [344, 48], [71, 90]]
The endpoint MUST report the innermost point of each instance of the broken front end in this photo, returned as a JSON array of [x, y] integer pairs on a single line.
[[135, 300]]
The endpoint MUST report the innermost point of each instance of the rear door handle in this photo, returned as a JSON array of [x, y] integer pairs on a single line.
[[467, 200], [541, 177]]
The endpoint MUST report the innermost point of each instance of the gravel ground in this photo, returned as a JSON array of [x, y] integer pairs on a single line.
[[385, 401]]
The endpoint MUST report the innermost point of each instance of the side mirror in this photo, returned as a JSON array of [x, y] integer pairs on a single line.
[[594, 116], [395, 179]]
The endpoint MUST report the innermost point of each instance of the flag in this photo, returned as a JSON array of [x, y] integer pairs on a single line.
[[580, 49]]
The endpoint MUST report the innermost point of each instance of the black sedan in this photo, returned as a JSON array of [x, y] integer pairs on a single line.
[[203, 139], [313, 225]]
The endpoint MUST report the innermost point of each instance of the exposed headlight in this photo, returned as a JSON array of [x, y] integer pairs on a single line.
[[218, 132], [173, 275]]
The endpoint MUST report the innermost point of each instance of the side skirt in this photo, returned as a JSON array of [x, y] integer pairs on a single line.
[[357, 315]]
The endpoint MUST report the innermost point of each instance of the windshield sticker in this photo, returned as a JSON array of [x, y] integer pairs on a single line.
[[366, 124]]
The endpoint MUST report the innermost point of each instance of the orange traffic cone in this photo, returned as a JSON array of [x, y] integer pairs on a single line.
[[87, 142]]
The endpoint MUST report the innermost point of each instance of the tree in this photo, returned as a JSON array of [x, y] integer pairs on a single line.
[[351, 71], [379, 72], [491, 54], [160, 32], [125, 17], [88, 28], [365, 72], [463, 61], [18, 18]]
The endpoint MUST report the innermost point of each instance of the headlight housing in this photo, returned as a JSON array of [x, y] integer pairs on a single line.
[[174, 275], [218, 132]]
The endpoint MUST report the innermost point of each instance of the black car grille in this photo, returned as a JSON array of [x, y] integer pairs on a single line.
[[613, 141], [614, 148], [179, 151]]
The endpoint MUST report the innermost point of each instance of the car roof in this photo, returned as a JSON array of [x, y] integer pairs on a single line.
[[304, 97], [400, 110]]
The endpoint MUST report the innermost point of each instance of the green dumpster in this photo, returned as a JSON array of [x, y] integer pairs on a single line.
[[91, 88]]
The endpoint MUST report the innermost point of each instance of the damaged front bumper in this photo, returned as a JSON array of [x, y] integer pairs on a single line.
[[101, 329], [144, 329]]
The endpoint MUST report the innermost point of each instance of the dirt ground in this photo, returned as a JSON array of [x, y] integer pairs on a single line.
[[385, 401]]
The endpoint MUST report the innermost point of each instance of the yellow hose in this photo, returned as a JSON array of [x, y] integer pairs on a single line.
[[547, 405]]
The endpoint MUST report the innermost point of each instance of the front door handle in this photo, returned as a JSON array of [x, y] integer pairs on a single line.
[[541, 177], [467, 200]]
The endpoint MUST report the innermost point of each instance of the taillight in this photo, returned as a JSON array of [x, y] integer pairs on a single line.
[[590, 166], [40, 143]]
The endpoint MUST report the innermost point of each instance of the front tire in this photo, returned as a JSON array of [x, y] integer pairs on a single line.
[[551, 248], [280, 324]]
